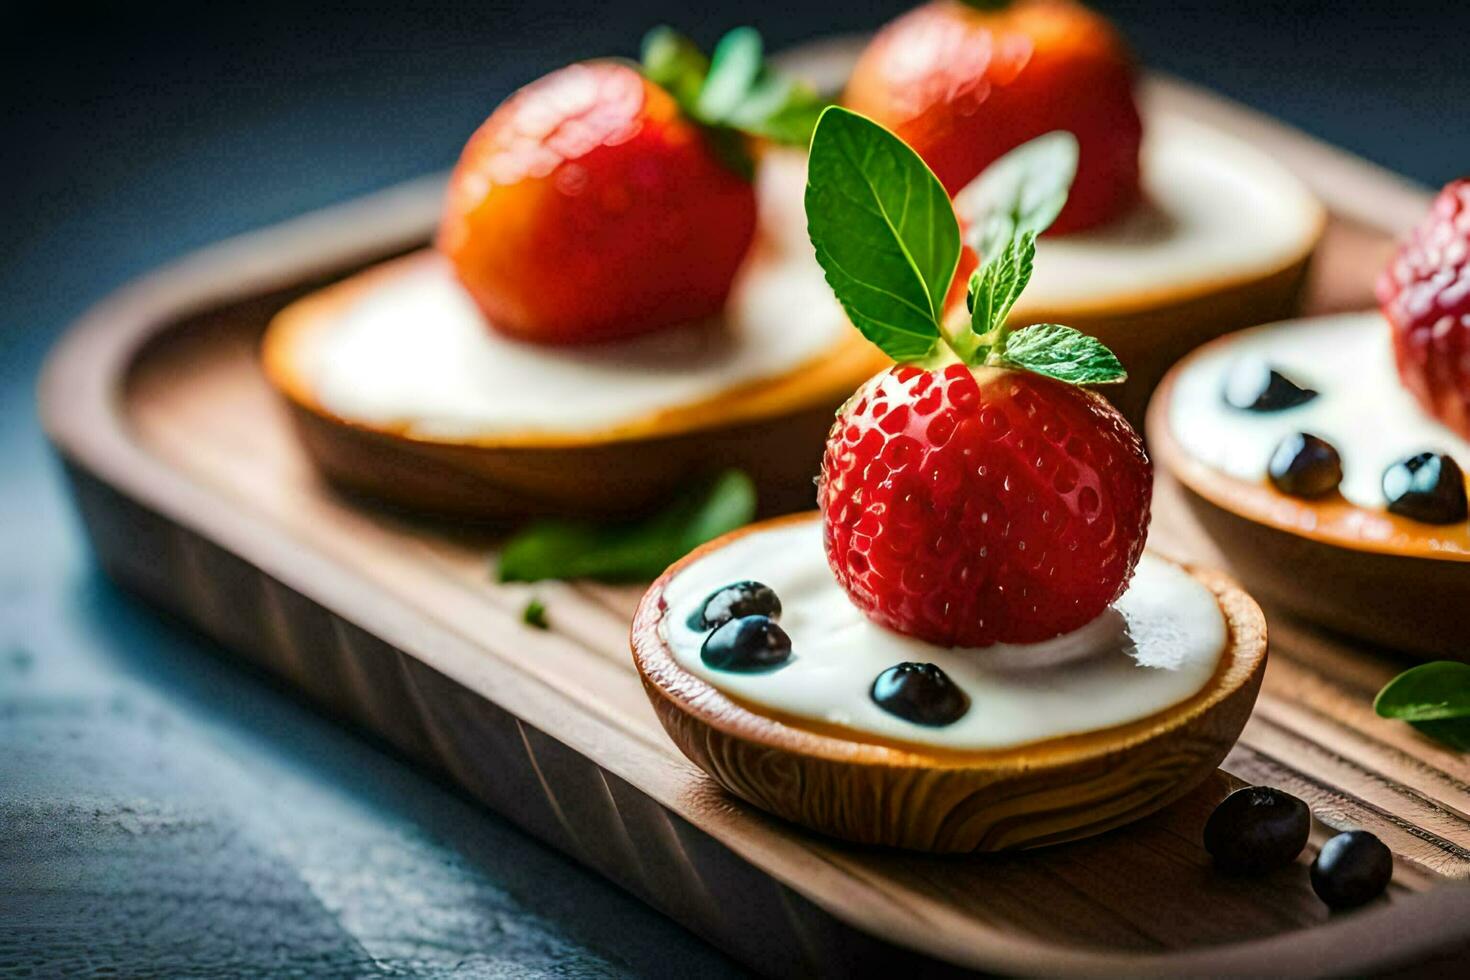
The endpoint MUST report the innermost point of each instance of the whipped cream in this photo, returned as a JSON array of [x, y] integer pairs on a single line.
[[1158, 645], [1215, 210], [1361, 408], [413, 350]]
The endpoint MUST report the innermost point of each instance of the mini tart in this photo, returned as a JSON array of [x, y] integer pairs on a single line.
[[866, 789], [1354, 568], [1224, 237], [772, 425]]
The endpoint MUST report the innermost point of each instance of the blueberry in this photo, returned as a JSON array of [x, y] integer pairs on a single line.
[[1351, 869], [1254, 386], [1257, 829], [745, 644], [1305, 466], [1428, 487], [920, 693], [732, 602]]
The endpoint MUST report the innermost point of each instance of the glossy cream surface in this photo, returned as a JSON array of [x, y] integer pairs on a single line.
[[1361, 407], [1157, 646], [412, 349], [1215, 210]]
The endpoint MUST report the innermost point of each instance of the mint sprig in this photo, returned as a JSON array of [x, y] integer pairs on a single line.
[[634, 551], [734, 93], [993, 291], [1434, 698], [887, 238], [1046, 348]]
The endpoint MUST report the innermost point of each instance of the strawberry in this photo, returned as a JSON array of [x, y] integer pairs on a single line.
[[972, 505], [974, 493], [1425, 294], [599, 202], [963, 83]]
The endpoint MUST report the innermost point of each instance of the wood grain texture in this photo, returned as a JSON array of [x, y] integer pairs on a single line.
[[925, 800], [196, 494]]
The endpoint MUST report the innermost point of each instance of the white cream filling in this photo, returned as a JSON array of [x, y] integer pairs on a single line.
[[1157, 646], [414, 350], [1361, 407], [1216, 210]]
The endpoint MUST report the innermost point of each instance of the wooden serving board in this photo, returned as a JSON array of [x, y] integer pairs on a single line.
[[196, 496]]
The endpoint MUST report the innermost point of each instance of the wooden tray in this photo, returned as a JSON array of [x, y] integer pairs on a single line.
[[196, 496]]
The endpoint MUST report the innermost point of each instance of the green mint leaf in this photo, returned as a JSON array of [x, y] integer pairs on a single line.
[[535, 615], [1429, 692], [675, 64], [1454, 732], [733, 70], [630, 552], [1062, 353], [884, 231], [1434, 698], [996, 286], [1023, 191]]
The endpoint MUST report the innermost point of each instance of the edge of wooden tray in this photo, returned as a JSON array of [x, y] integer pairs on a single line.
[[159, 531]]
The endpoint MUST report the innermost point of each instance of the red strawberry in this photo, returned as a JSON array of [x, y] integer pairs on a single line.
[[972, 494], [964, 82], [597, 203], [973, 506], [588, 208], [1425, 294]]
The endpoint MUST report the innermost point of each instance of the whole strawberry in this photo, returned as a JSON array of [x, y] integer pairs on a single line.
[[1425, 294], [600, 202], [965, 82], [973, 494]]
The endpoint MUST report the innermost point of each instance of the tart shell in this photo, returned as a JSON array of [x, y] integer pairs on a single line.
[[774, 430], [863, 789], [1151, 332], [1404, 586]]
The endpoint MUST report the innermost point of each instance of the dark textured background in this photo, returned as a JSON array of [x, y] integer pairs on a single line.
[[162, 810]]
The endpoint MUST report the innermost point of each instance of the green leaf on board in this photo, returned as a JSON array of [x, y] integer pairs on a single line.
[[535, 615], [1434, 698], [884, 230], [635, 551], [1454, 732]]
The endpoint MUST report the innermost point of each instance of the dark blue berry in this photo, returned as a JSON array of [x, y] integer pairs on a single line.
[[920, 693], [734, 601], [1428, 487], [747, 643], [1254, 386], [1305, 466], [1257, 829], [1351, 869]]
